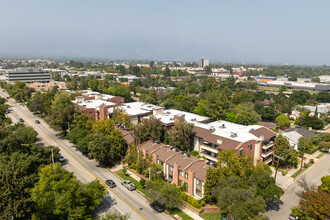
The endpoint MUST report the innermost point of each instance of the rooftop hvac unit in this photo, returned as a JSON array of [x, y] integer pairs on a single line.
[[174, 149], [212, 128], [193, 119], [233, 135], [186, 154], [222, 126]]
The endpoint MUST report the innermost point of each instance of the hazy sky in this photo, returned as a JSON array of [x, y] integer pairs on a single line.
[[252, 31]]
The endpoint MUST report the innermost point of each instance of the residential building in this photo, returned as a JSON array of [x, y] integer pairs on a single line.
[[202, 63], [94, 106], [178, 167], [256, 140], [43, 87], [169, 116], [293, 135], [28, 75]]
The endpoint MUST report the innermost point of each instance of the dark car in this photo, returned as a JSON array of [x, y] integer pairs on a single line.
[[110, 183], [21, 120], [7, 97], [292, 217], [37, 121], [7, 111], [62, 159], [157, 207]]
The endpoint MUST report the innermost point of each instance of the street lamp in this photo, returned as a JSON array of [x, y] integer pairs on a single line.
[[278, 160]]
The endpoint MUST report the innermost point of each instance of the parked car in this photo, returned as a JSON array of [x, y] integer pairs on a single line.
[[21, 120], [110, 183], [7, 97], [157, 207], [128, 185], [62, 159], [37, 121], [7, 111], [292, 217]]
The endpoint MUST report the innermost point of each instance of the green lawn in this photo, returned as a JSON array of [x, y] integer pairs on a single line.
[[211, 215], [180, 213], [320, 155], [128, 177]]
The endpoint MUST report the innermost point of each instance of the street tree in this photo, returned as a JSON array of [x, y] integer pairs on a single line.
[[284, 150], [283, 121]]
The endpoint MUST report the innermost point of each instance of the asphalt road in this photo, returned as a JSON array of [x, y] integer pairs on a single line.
[[292, 193], [87, 170]]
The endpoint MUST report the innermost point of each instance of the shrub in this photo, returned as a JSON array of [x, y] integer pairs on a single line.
[[142, 182], [202, 202], [284, 173], [195, 204], [125, 170], [190, 199], [193, 153], [311, 161], [183, 196]]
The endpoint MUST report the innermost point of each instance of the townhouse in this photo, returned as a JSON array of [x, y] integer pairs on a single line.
[[178, 167]]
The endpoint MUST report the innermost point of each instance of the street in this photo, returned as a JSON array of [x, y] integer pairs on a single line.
[[85, 169], [293, 192]]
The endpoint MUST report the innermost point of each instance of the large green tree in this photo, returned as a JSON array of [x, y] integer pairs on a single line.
[[181, 134], [284, 150], [245, 114], [62, 111], [59, 195]]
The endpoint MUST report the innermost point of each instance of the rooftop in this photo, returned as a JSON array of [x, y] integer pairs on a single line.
[[137, 108], [94, 103], [167, 116]]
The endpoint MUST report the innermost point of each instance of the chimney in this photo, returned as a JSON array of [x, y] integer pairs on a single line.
[[177, 118], [103, 112], [98, 96]]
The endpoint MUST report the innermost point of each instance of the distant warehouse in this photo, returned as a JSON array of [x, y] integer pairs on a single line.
[[28, 75]]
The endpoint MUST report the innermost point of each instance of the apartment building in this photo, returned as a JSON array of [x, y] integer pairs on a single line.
[[28, 75], [256, 140], [94, 106], [178, 167]]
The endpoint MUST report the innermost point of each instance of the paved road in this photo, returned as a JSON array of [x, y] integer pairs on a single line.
[[123, 200], [293, 192]]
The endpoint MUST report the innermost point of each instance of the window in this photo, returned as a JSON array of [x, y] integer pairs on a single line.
[[250, 147], [241, 152], [198, 182], [170, 177], [198, 192], [186, 175], [170, 168], [180, 172], [180, 182]]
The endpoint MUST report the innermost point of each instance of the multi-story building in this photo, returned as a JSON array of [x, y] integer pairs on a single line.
[[256, 140], [203, 62], [178, 167], [28, 75]]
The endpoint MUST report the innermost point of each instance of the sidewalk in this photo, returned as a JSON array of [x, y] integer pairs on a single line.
[[287, 180], [185, 210]]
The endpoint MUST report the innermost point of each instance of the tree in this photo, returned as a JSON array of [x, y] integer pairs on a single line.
[[114, 216], [106, 144], [217, 105], [62, 111], [167, 195], [36, 104], [212, 178], [122, 119], [245, 114], [325, 186], [283, 88], [151, 127], [200, 108], [300, 96], [283, 149], [283, 121], [180, 135], [305, 142], [59, 195], [315, 204]]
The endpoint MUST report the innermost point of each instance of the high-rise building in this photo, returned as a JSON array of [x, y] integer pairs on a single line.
[[28, 75], [202, 62]]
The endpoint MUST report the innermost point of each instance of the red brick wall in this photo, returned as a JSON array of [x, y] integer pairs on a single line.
[[176, 174], [118, 100], [103, 112], [190, 182], [245, 146]]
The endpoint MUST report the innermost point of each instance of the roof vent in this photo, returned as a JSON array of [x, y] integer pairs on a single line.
[[193, 119], [174, 149], [186, 154], [157, 142], [252, 129], [128, 106], [212, 128], [233, 135], [222, 126]]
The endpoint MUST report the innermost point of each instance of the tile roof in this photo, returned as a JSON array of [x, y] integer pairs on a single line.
[[263, 131], [303, 132]]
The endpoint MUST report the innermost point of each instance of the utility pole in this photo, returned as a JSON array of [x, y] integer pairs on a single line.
[[53, 157], [302, 158], [149, 173], [278, 161]]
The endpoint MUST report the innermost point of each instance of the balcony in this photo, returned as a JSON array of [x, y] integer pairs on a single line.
[[209, 155], [268, 161], [267, 153], [209, 148], [268, 145]]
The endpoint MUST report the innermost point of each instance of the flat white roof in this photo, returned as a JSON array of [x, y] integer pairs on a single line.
[[167, 116], [137, 108], [227, 129], [94, 103]]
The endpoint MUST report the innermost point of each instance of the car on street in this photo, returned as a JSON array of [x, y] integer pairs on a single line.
[[61, 159], [110, 183], [7, 97], [292, 217], [7, 111], [128, 185], [157, 207], [21, 120], [37, 121]]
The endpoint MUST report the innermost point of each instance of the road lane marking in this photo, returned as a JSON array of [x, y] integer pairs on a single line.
[[83, 166]]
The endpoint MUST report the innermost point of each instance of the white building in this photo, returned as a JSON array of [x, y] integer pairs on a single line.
[[203, 62]]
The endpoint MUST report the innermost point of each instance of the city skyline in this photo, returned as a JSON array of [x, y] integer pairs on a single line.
[[280, 32]]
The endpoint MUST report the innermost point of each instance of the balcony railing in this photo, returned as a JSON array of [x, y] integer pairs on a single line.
[[209, 148], [266, 154], [268, 160], [268, 145]]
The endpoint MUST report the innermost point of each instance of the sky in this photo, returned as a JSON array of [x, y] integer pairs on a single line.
[[231, 31]]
